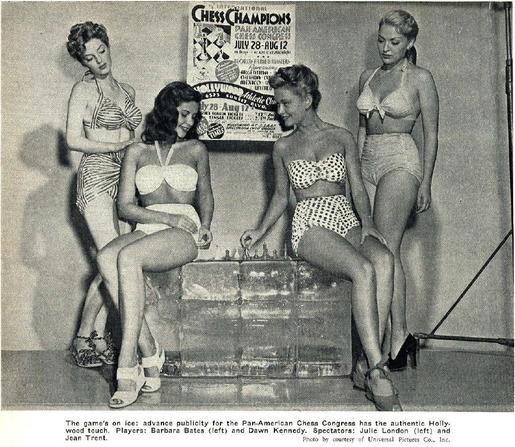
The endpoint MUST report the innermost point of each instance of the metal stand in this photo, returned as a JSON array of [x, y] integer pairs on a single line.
[[509, 94]]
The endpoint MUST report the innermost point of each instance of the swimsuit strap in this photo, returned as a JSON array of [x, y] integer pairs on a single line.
[[159, 155], [158, 150], [371, 76], [169, 156], [98, 105]]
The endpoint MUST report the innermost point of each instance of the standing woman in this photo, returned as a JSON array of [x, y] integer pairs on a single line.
[[101, 120], [162, 178], [316, 159], [391, 99]]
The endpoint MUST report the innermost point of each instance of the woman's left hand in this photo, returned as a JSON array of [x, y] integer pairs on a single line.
[[423, 197], [371, 230], [204, 238]]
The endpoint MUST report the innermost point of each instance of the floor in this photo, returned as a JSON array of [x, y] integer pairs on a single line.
[[443, 381]]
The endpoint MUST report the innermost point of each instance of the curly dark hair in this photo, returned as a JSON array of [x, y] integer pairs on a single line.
[[300, 78], [81, 34], [161, 121]]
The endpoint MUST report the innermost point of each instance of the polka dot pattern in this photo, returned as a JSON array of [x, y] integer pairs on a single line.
[[332, 212], [303, 173]]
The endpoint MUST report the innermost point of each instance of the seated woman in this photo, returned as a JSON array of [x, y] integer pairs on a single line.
[[316, 158], [167, 172]]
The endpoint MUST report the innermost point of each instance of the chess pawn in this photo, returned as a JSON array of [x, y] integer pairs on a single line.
[[227, 256], [265, 255], [275, 255]]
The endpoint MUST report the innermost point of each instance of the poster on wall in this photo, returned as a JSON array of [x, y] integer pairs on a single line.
[[232, 51]]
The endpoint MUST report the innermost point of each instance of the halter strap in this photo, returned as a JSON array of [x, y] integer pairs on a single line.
[[168, 157]]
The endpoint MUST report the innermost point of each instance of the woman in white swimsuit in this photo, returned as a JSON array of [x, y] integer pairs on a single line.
[[162, 179], [392, 98], [316, 159]]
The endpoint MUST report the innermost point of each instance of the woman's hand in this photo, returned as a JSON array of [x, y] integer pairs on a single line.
[[183, 222], [371, 230], [423, 197], [122, 145], [204, 237], [249, 238]]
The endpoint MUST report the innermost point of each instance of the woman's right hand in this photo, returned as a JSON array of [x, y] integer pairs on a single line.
[[250, 237], [183, 222], [120, 146]]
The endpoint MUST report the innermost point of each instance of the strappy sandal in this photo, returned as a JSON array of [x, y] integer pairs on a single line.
[[389, 402], [359, 373], [109, 355], [85, 357], [157, 360], [121, 399]]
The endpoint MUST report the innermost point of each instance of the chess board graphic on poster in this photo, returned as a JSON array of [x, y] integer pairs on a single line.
[[232, 51]]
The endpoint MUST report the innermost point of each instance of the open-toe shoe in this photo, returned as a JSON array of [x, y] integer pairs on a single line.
[[122, 399], [157, 360], [382, 402]]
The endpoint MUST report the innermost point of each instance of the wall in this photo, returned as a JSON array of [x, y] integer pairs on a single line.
[[46, 252]]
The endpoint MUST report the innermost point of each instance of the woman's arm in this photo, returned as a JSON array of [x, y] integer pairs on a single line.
[[75, 138], [128, 209], [279, 200], [205, 198], [359, 193], [429, 108], [362, 131]]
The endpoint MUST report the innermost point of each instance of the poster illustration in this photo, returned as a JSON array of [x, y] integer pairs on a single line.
[[232, 50]]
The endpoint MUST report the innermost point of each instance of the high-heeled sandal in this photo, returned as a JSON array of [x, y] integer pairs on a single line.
[[157, 360], [358, 373], [109, 355], [85, 357], [121, 399], [409, 350], [388, 402]]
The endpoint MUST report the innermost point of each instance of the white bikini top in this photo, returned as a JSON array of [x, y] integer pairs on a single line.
[[179, 176]]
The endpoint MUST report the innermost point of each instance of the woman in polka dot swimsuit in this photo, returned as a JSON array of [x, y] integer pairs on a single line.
[[316, 158]]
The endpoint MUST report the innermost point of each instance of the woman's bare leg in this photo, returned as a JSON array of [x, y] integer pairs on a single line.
[[332, 253], [395, 198]]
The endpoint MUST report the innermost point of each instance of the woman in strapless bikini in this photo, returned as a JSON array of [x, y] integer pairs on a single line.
[[391, 99], [316, 159], [101, 121], [162, 178]]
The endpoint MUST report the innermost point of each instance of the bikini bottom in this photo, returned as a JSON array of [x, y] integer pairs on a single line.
[[383, 153], [171, 208], [331, 212]]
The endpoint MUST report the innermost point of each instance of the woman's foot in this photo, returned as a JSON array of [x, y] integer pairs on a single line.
[[407, 351], [153, 365], [380, 389], [359, 373], [105, 348], [130, 381], [83, 352]]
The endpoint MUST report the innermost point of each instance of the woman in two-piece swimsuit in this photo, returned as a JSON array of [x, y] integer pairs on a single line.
[[316, 159], [101, 121], [161, 179], [391, 98]]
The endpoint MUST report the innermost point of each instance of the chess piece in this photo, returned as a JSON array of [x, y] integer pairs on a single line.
[[265, 255], [227, 256], [275, 255]]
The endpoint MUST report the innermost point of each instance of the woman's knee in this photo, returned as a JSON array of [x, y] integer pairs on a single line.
[[128, 258], [365, 272], [106, 262], [384, 260]]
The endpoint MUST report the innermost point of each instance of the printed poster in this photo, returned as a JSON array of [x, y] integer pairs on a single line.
[[232, 51]]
